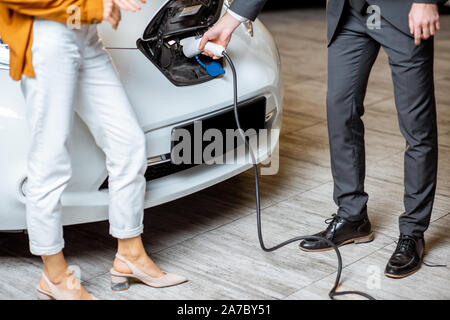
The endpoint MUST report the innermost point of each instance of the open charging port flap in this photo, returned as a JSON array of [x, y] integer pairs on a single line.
[[179, 19]]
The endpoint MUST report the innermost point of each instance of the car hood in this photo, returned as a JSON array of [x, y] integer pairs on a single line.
[[131, 27], [159, 103]]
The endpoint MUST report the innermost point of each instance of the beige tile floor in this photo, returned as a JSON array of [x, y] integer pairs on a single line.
[[211, 236]]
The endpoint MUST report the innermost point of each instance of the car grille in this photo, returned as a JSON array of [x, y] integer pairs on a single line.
[[252, 116]]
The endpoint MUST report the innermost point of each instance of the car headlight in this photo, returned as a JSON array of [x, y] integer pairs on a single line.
[[247, 25], [249, 28]]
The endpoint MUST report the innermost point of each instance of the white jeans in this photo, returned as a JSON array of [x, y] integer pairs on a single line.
[[69, 65]]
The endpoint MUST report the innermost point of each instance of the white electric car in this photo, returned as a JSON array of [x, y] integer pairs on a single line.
[[167, 91]]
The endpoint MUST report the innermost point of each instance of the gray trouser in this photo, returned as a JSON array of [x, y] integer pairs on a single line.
[[351, 57]]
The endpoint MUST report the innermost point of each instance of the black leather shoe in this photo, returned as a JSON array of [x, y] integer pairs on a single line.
[[407, 258], [340, 231]]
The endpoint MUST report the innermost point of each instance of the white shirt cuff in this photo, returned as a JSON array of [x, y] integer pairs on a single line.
[[237, 17]]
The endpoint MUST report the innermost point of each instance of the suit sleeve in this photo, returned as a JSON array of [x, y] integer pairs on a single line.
[[248, 8], [91, 11]]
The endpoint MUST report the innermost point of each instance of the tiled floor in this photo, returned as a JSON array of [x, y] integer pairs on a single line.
[[211, 236]]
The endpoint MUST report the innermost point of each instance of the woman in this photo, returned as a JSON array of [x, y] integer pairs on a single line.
[[58, 64]]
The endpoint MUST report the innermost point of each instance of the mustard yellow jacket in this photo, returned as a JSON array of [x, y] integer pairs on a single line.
[[16, 25]]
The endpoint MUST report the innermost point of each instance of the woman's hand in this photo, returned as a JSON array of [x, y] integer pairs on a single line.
[[129, 5], [111, 10], [111, 13]]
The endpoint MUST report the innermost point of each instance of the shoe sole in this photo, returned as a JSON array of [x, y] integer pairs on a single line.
[[43, 295], [360, 240], [121, 281], [401, 276], [392, 276]]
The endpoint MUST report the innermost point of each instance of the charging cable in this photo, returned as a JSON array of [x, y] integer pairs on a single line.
[[333, 293]]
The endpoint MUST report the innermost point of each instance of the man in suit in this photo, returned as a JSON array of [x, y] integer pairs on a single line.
[[354, 44], [405, 32]]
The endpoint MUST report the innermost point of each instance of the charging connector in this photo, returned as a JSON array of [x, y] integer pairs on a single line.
[[191, 47]]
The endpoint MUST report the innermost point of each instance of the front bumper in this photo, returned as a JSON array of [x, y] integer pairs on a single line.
[[84, 207]]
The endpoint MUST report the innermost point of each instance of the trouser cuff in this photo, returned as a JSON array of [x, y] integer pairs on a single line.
[[46, 251], [126, 234]]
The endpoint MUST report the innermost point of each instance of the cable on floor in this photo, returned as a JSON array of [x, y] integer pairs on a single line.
[[333, 293]]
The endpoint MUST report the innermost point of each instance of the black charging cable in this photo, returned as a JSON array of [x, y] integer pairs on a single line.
[[333, 293]]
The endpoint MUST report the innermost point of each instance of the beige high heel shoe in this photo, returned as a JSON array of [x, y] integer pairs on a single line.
[[54, 293], [120, 281]]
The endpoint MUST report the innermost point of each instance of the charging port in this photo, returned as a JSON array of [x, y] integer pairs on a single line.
[[179, 19]]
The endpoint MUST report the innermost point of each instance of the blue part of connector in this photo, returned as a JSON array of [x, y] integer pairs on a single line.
[[214, 69], [200, 62]]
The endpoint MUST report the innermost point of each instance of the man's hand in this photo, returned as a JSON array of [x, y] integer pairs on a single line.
[[423, 21], [111, 13], [220, 34]]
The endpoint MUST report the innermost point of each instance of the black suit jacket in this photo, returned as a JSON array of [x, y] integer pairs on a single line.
[[248, 8], [395, 11]]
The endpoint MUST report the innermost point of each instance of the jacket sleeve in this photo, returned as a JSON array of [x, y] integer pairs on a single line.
[[248, 8], [439, 2], [91, 11]]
